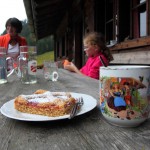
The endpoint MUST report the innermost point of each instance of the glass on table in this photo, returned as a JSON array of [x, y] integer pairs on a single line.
[[50, 70], [27, 64], [4, 72]]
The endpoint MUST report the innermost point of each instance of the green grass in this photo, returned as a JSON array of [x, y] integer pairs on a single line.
[[45, 56]]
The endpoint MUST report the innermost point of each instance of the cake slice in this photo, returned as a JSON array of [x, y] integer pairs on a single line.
[[45, 103]]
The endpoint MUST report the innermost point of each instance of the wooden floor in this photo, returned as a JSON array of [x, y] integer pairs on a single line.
[[86, 132]]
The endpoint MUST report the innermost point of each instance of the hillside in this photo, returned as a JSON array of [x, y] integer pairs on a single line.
[[45, 56]]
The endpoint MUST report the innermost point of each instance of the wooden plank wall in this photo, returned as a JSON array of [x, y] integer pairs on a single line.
[[136, 56], [136, 51]]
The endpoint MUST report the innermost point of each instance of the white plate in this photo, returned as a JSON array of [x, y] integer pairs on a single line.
[[9, 111]]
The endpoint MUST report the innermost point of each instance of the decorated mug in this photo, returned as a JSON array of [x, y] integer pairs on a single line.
[[125, 94]]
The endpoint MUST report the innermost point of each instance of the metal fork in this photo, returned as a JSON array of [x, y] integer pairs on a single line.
[[74, 110]]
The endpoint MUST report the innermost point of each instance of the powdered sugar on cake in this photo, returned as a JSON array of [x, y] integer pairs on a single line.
[[45, 97]]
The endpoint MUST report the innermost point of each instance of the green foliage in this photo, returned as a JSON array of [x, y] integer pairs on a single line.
[[45, 45], [45, 56]]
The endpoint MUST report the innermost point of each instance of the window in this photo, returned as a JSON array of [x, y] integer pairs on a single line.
[[126, 19], [117, 19], [138, 18], [109, 21]]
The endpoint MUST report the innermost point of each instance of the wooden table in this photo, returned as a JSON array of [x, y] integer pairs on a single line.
[[86, 132]]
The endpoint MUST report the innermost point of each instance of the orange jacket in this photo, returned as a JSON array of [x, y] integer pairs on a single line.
[[4, 40]]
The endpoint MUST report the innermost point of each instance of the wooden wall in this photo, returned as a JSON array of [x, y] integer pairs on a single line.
[[136, 51], [136, 56]]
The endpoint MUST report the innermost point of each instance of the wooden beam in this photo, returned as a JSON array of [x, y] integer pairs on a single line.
[[145, 41]]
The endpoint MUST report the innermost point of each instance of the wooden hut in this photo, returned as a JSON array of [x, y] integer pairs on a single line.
[[124, 23]]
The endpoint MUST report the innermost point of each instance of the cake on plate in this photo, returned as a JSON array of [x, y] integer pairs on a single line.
[[45, 103]]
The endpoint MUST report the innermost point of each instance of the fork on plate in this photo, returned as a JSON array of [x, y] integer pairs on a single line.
[[77, 105]]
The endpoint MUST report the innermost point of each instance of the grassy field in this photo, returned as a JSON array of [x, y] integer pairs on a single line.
[[45, 56]]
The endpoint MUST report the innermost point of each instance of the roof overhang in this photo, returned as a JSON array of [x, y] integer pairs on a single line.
[[44, 16]]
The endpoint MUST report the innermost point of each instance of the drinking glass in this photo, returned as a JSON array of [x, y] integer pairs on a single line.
[[27, 68], [50, 70], [4, 73]]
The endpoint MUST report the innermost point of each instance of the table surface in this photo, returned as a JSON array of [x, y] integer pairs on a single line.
[[89, 131]]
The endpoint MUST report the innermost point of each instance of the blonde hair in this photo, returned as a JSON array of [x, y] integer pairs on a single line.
[[95, 38]]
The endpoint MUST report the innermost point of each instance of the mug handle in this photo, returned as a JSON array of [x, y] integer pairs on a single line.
[[46, 75], [12, 70], [54, 76]]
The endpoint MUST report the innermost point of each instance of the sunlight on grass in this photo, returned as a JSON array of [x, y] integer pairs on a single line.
[[45, 56]]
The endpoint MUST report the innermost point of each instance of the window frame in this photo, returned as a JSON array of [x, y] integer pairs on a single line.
[[135, 18], [130, 41]]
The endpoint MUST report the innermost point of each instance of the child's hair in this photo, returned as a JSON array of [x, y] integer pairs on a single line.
[[95, 38]]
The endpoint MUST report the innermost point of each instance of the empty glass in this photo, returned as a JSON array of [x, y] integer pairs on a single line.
[[50, 70], [27, 68], [3, 66]]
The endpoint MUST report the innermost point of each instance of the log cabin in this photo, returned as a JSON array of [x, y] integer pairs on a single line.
[[124, 23]]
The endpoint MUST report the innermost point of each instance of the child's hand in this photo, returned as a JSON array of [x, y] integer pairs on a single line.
[[66, 62], [70, 67]]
